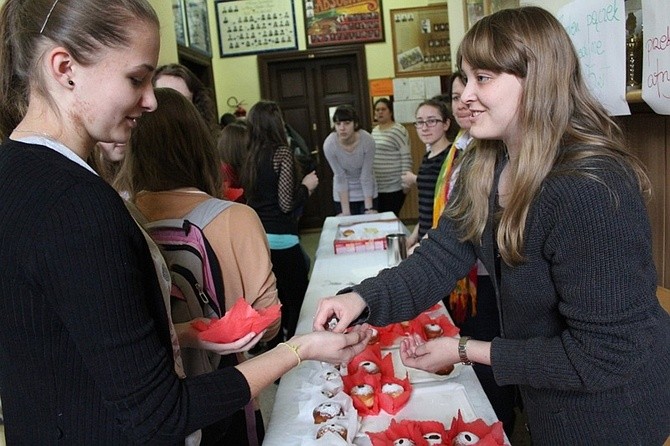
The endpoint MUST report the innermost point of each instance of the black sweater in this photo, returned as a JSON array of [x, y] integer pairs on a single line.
[[584, 336], [85, 353]]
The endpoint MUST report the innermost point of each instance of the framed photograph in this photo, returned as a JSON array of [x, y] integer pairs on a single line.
[[180, 22], [359, 21], [421, 45], [197, 25], [476, 9], [255, 26]]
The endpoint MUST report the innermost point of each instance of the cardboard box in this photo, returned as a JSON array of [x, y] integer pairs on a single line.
[[365, 235]]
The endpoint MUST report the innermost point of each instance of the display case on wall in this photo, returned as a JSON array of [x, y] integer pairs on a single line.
[[421, 45]]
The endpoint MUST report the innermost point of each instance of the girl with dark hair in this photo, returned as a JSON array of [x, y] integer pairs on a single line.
[[350, 152], [276, 192], [86, 352], [180, 78], [173, 169], [433, 120], [232, 147]]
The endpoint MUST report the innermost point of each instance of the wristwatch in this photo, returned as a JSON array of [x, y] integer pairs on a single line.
[[462, 350]]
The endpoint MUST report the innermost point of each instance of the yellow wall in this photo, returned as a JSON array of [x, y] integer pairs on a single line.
[[238, 76]]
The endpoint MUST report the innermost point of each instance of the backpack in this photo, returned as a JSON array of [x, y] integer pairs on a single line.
[[197, 288], [197, 283]]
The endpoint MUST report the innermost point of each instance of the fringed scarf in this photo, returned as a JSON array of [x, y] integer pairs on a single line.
[[463, 299]]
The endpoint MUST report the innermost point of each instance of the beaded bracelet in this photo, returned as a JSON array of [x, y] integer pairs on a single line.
[[294, 349]]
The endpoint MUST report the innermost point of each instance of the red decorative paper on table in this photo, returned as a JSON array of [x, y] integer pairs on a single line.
[[434, 433], [240, 320], [394, 394], [419, 432], [421, 323], [487, 435], [370, 361], [368, 374]]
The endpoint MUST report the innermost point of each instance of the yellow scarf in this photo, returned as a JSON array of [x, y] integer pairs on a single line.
[[464, 294]]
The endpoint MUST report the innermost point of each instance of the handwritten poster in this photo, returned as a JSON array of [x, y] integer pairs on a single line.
[[597, 29], [656, 55]]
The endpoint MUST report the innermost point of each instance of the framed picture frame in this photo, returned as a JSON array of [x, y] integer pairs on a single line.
[[476, 9], [255, 26], [179, 13], [360, 21], [197, 26], [421, 45]]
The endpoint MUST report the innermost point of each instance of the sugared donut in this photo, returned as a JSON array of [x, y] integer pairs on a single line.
[[365, 393], [392, 389], [326, 411], [369, 367], [432, 331], [334, 428]]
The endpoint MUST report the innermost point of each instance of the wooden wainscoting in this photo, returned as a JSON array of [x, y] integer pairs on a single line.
[[649, 138]]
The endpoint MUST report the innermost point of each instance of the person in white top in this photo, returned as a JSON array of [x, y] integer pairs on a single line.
[[350, 152]]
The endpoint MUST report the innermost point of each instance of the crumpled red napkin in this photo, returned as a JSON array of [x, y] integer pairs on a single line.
[[240, 320], [492, 435]]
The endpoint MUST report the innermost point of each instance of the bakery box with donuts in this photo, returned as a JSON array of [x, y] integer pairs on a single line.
[[365, 236]]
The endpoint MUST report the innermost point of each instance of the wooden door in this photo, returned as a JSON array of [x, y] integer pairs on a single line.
[[201, 66], [307, 85]]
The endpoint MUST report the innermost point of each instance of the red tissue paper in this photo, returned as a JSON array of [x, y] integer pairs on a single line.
[[371, 357], [416, 431], [240, 320], [418, 325], [359, 373], [492, 435]]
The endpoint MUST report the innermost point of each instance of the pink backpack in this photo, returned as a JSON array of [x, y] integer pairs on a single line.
[[197, 283]]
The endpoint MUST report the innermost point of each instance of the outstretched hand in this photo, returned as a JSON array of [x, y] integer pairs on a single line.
[[334, 348], [188, 338], [432, 356], [338, 312]]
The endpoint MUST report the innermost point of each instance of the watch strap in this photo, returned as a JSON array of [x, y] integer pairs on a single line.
[[463, 351]]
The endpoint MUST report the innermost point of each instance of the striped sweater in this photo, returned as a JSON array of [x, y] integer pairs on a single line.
[[392, 157]]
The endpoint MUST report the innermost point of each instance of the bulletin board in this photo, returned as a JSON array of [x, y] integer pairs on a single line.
[[421, 45], [255, 26]]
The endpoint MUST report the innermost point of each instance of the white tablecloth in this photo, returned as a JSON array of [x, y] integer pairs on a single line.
[[331, 273]]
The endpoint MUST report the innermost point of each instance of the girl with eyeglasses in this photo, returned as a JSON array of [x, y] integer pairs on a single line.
[[433, 121]]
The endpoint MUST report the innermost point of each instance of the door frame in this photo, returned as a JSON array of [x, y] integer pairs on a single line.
[[357, 52], [265, 60]]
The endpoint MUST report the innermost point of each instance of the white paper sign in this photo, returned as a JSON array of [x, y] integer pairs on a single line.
[[656, 55], [597, 29]]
